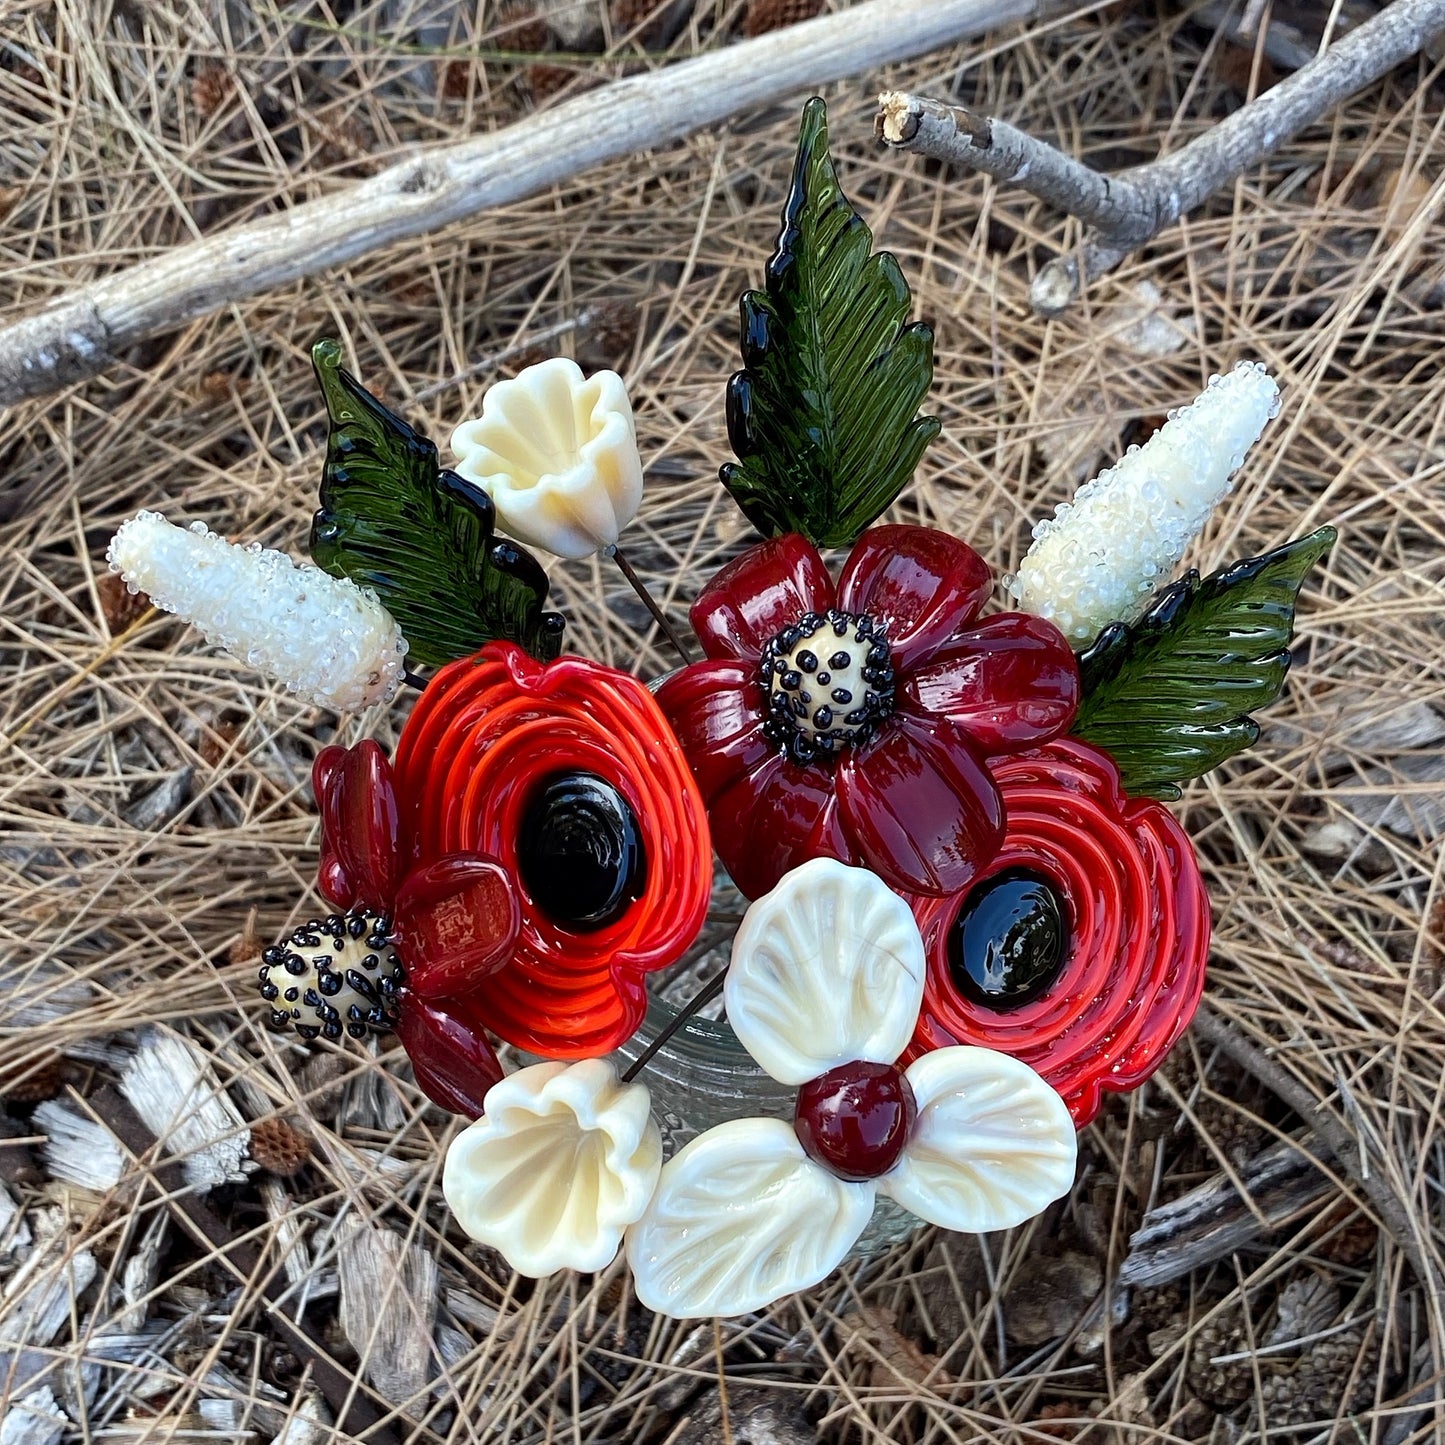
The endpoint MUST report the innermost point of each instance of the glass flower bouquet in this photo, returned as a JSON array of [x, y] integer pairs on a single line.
[[970, 913]]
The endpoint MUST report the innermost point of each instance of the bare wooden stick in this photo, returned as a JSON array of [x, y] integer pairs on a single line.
[[91, 329], [1128, 209]]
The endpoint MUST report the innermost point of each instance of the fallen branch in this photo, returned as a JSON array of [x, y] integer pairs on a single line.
[[89, 330], [1126, 210], [1347, 1149]]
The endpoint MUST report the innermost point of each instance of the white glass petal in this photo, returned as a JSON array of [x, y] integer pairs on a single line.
[[740, 1218], [826, 969], [557, 454], [562, 1161], [993, 1143]]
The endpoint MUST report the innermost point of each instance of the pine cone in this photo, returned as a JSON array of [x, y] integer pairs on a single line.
[[544, 81], [27, 1081], [279, 1148], [120, 606], [649, 14], [612, 328], [766, 15], [211, 89]]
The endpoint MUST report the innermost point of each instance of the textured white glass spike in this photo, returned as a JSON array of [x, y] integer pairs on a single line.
[[557, 454], [330, 641], [1101, 556]]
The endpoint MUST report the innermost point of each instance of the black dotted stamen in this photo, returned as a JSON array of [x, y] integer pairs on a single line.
[[810, 733]]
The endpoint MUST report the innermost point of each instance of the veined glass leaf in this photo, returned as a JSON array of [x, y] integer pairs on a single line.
[[823, 417], [419, 537], [1170, 696]]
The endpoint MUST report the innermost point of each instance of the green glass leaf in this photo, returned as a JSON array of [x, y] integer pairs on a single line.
[[1170, 696], [419, 537], [823, 418]]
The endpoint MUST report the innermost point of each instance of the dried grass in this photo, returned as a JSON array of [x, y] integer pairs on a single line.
[[156, 817]]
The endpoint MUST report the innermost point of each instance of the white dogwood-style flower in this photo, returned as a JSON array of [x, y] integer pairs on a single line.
[[330, 641], [563, 1159], [823, 990], [1100, 557], [557, 454]]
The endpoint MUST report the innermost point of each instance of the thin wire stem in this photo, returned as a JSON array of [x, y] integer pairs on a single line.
[[658, 616], [704, 995]]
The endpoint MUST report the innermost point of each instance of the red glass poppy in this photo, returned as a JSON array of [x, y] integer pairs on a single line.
[[1136, 920], [854, 721], [505, 759]]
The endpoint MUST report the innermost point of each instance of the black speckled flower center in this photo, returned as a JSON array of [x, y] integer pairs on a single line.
[[829, 681]]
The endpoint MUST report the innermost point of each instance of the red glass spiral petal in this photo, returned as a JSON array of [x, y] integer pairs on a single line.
[[1139, 930], [921, 584], [1011, 683], [758, 594], [486, 733]]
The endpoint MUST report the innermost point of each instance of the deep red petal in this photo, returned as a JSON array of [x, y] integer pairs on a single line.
[[1011, 683], [773, 819], [457, 920], [758, 594], [920, 806], [453, 1062], [717, 710], [922, 584]]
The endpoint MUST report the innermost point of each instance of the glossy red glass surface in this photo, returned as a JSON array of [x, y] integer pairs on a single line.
[[456, 921], [758, 594], [486, 733], [447, 1044], [920, 805], [921, 584], [915, 802], [1011, 683], [360, 861], [855, 1119], [1138, 930]]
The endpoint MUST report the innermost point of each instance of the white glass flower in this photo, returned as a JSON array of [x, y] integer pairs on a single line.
[[330, 641], [824, 989], [557, 454], [563, 1159], [1101, 556]]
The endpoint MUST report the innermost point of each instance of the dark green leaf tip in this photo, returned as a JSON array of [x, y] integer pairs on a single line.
[[824, 415], [1170, 696], [417, 536]]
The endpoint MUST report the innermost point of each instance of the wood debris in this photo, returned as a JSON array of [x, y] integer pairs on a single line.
[[175, 1091]]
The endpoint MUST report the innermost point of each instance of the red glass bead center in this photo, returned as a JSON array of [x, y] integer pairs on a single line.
[[855, 1119]]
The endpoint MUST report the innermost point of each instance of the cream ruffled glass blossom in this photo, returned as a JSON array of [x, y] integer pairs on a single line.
[[330, 641], [564, 1158], [1100, 557], [557, 454], [828, 969]]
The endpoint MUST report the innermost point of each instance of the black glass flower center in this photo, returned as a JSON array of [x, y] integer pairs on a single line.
[[580, 852], [829, 681], [1010, 940]]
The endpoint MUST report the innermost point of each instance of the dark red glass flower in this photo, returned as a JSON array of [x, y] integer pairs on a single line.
[[569, 779], [1136, 932], [853, 721]]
